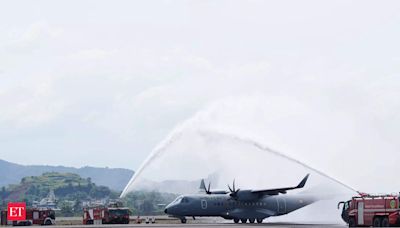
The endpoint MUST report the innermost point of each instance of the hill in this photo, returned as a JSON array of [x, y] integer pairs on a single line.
[[66, 186], [72, 193], [114, 178]]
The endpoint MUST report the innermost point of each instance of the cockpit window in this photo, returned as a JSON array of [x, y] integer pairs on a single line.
[[180, 199], [177, 200]]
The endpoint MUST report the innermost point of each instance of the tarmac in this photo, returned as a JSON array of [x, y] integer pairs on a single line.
[[278, 225], [165, 221]]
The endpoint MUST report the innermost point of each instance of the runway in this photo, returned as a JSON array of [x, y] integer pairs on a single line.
[[216, 225], [165, 221]]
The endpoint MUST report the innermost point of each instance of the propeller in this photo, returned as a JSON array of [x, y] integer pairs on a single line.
[[233, 190], [206, 189]]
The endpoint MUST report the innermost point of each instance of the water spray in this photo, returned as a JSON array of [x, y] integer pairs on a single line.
[[177, 134], [172, 137], [279, 154]]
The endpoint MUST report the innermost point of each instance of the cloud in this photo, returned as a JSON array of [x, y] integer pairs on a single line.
[[92, 54], [129, 77], [31, 105], [31, 37]]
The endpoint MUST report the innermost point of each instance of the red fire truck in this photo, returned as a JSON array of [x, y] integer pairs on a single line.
[[106, 215], [369, 210], [36, 216]]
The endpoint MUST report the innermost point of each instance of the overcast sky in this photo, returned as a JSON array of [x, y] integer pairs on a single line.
[[101, 83]]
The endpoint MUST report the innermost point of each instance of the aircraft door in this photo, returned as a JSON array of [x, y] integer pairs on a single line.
[[281, 205], [203, 204]]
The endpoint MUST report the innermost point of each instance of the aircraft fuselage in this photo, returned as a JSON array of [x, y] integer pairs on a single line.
[[229, 208]]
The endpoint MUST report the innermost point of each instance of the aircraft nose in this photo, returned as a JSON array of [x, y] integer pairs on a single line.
[[167, 209]]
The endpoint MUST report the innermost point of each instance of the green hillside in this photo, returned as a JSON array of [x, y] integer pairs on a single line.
[[71, 191], [115, 179], [66, 186]]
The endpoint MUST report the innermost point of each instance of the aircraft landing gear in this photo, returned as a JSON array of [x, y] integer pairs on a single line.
[[183, 220], [236, 220], [252, 220], [243, 220], [259, 220]]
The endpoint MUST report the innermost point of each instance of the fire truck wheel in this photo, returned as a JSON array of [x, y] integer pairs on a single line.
[[236, 220], [89, 222], [48, 222], [385, 222], [183, 220], [352, 222], [377, 222]]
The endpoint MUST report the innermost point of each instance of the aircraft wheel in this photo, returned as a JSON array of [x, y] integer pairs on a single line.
[[385, 222], [183, 220], [243, 220], [236, 220], [252, 220], [259, 220]]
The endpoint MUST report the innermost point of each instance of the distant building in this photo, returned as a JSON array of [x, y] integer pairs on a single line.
[[50, 201]]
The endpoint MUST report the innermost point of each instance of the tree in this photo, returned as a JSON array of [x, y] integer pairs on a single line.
[[3, 192], [89, 180], [66, 209], [77, 206]]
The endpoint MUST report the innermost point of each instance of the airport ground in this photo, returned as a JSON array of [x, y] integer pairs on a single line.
[[205, 225], [164, 221]]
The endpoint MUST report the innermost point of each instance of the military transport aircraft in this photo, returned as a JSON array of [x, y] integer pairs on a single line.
[[239, 205]]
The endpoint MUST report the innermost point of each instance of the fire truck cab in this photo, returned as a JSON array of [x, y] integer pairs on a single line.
[[368, 210]]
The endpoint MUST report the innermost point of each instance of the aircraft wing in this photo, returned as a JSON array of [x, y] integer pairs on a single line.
[[276, 191]]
